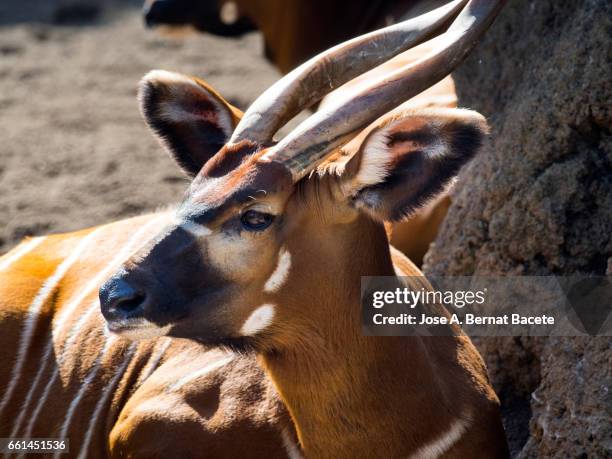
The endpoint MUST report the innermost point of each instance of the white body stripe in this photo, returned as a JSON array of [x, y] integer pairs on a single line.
[[39, 406], [34, 311], [19, 252], [201, 372], [280, 274], [444, 442], [29, 396], [73, 334], [43, 398], [93, 373], [46, 358], [110, 389], [48, 352], [154, 361]]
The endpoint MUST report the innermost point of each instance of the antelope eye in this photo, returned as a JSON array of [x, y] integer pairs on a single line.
[[256, 221]]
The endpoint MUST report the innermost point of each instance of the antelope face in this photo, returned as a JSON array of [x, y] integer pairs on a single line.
[[249, 242], [203, 275], [259, 253]]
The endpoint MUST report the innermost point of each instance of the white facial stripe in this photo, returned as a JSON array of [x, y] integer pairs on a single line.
[[259, 319], [194, 229], [201, 372], [444, 442], [280, 274]]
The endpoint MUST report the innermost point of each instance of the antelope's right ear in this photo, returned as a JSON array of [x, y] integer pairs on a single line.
[[188, 117], [411, 158]]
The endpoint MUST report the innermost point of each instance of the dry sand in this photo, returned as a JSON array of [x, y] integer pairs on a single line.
[[74, 151]]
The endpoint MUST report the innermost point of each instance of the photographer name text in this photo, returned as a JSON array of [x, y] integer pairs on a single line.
[[469, 319]]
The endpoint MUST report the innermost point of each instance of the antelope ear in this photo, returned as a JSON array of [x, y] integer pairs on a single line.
[[188, 117], [411, 158]]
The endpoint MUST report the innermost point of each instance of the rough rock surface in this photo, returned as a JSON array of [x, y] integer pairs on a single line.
[[537, 201]]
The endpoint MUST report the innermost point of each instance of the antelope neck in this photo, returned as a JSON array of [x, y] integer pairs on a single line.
[[349, 395]]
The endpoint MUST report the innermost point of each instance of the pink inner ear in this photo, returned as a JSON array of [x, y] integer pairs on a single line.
[[388, 145], [188, 108], [202, 108], [411, 160], [417, 132]]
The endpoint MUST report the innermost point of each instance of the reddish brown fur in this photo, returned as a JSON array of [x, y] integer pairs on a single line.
[[199, 418], [208, 417], [413, 235], [284, 25], [347, 395]]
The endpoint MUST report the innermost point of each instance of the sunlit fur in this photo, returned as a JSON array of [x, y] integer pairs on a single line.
[[317, 387], [215, 287], [165, 397], [414, 234]]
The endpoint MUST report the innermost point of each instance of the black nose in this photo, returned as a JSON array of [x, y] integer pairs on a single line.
[[120, 301]]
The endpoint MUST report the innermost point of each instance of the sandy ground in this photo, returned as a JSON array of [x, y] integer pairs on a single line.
[[74, 150]]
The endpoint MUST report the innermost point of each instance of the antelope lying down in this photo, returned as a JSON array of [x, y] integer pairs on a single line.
[[264, 254]]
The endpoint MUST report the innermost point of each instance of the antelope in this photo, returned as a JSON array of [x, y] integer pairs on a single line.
[[232, 322]]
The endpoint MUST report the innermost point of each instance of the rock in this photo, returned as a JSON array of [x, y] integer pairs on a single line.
[[538, 201]]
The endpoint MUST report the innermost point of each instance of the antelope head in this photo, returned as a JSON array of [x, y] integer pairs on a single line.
[[270, 235]]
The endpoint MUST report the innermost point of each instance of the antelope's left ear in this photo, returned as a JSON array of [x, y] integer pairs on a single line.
[[411, 158], [190, 119]]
